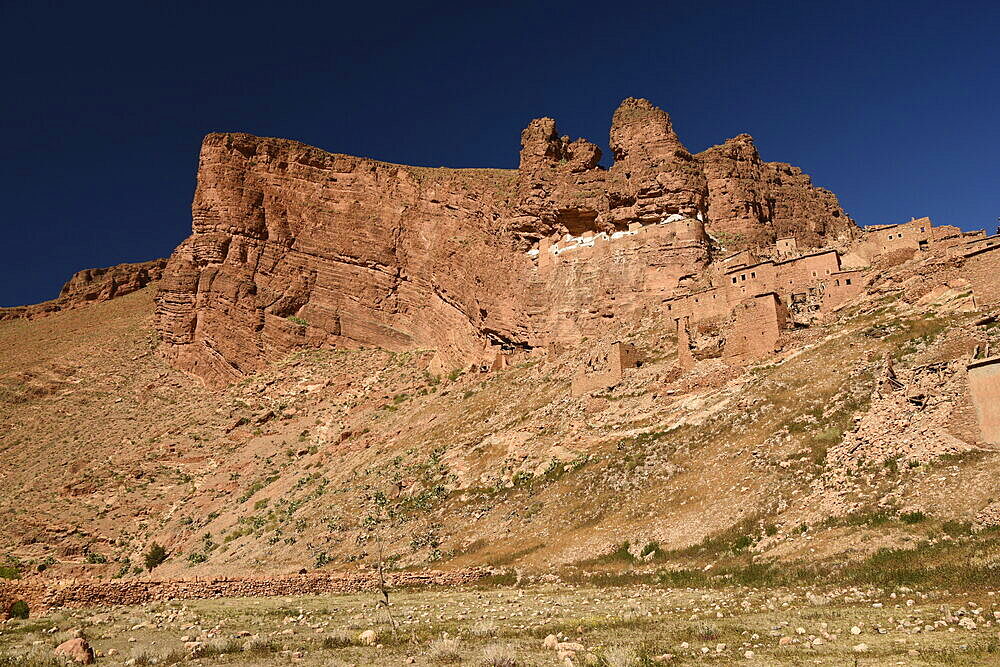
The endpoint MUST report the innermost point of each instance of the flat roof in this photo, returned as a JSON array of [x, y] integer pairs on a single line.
[[988, 361], [806, 256]]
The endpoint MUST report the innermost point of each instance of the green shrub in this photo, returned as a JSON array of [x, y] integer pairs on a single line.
[[651, 548], [155, 556], [297, 320], [956, 528], [93, 557], [9, 572], [19, 610], [912, 517]]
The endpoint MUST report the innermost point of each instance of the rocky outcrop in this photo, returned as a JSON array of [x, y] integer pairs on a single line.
[[653, 176], [752, 202], [92, 286], [296, 247]]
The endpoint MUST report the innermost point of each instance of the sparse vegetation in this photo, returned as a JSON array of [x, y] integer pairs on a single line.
[[154, 556]]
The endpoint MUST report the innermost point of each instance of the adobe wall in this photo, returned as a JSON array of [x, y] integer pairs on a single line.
[[757, 327], [982, 268], [786, 247], [841, 287], [919, 234], [795, 275], [699, 306], [605, 368], [747, 281], [984, 387], [684, 357]]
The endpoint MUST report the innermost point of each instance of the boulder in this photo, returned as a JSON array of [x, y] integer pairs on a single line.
[[77, 650]]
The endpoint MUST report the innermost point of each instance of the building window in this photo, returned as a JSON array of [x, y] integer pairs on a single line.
[[734, 280], [922, 230], [743, 277], [753, 274], [814, 274], [837, 282], [847, 281]]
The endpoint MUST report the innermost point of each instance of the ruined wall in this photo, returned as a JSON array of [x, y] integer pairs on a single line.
[[984, 387], [756, 329], [605, 368], [685, 359]]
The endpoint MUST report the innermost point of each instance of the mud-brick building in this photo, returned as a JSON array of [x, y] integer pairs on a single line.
[[984, 387]]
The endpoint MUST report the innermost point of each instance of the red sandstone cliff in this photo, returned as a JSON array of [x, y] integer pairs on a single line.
[[755, 202], [293, 246]]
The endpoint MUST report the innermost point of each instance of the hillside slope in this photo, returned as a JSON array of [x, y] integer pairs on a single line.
[[329, 457]]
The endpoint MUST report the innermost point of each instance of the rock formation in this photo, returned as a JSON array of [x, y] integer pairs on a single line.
[[755, 202], [93, 285], [296, 247]]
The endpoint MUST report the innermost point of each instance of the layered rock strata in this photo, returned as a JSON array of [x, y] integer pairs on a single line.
[[296, 247]]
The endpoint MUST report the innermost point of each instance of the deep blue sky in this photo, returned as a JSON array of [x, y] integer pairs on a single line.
[[893, 106]]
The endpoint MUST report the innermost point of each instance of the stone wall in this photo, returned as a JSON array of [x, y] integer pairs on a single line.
[[841, 287], [981, 267], [685, 360], [42, 595]]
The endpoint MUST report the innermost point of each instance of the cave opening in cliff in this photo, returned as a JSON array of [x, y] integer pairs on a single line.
[[577, 220]]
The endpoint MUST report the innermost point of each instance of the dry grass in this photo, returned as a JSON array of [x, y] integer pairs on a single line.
[[617, 626]]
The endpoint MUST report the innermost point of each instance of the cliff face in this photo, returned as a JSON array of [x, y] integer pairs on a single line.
[[293, 246]]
